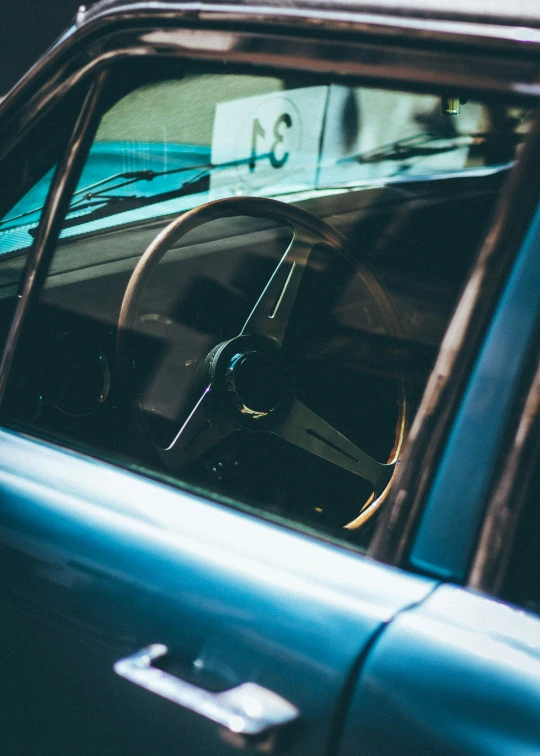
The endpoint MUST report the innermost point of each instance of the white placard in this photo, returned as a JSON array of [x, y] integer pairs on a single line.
[[268, 144]]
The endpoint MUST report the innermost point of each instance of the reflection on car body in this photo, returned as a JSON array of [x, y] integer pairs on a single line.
[[267, 390]]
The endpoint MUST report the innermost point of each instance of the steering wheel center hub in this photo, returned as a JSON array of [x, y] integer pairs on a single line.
[[255, 383]]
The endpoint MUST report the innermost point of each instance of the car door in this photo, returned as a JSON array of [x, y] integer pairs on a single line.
[[458, 675], [98, 564]]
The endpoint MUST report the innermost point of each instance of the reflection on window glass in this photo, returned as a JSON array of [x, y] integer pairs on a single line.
[[169, 146], [18, 225], [271, 353]]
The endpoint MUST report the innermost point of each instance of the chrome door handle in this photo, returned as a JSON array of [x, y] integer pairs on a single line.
[[247, 709]]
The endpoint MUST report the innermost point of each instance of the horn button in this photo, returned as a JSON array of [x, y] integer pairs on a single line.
[[254, 383], [253, 378]]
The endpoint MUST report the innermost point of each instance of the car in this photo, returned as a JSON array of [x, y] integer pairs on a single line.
[[269, 387]]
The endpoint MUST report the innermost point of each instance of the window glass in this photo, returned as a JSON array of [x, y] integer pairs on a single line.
[[27, 170], [18, 226], [270, 349], [27, 167]]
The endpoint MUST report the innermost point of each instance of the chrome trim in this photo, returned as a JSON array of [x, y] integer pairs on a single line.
[[80, 15], [247, 709]]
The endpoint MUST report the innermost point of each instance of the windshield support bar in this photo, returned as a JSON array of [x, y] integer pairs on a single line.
[[58, 198]]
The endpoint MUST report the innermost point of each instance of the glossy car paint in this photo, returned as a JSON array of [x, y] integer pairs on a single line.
[[457, 675], [454, 510], [98, 563]]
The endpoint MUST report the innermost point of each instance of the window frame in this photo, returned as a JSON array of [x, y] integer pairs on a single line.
[[87, 54]]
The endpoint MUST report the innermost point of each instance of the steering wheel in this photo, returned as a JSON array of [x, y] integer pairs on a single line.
[[245, 382]]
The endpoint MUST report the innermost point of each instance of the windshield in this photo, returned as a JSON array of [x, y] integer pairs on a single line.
[[169, 146]]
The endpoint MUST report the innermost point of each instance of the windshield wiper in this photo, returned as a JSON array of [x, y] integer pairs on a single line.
[[130, 176], [415, 146], [92, 196], [427, 144], [89, 196], [98, 200]]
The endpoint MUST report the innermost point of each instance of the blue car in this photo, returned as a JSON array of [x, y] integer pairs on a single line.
[[269, 385]]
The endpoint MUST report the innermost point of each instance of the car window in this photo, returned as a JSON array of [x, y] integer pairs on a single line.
[[18, 226], [30, 154], [271, 347]]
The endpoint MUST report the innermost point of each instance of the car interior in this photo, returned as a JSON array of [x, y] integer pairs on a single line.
[[253, 281]]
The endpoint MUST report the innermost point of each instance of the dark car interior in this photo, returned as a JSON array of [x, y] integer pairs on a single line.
[[66, 384], [409, 247]]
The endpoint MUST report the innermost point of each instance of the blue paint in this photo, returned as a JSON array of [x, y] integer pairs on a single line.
[[98, 562], [456, 505], [457, 675]]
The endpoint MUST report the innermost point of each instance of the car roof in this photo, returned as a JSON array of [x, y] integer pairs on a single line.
[[511, 12]]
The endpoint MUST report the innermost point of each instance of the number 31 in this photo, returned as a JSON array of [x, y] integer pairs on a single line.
[[283, 121]]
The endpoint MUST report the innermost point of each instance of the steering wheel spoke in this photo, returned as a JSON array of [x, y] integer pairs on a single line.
[[307, 430], [271, 315], [202, 430]]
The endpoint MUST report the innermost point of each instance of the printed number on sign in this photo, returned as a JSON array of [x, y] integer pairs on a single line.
[[277, 155]]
